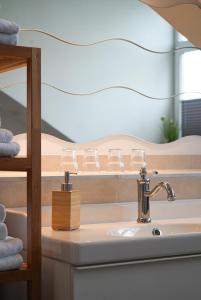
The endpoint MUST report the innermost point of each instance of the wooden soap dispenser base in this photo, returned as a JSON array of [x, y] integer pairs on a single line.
[[66, 206]]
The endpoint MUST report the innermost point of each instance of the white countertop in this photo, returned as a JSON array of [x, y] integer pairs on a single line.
[[93, 243], [14, 176]]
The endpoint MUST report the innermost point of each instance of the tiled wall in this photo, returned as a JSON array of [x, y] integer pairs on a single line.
[[154, 162], [100, 189], [179, 163]]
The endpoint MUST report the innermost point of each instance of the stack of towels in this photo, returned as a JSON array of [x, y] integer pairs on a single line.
[[10, 247], [9, 32], [7, 147]]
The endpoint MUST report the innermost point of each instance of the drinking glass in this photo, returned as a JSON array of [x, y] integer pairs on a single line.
[[69, 160], [115, 160], [91, 160], [137, 159]]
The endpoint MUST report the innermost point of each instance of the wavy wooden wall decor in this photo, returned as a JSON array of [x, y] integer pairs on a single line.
[[170, 3], [183, 15], [189, 145]]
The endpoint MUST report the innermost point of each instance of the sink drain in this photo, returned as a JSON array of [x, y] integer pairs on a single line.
[[156, 231]]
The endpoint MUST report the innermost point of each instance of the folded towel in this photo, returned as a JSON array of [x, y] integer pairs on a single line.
[[10, 246], [9, 149], [8, 27], [11, 262], [6, 135], [8, 39], [3, 231], [2, 213]]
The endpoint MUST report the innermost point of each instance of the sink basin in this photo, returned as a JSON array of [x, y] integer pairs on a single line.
[[156, 229], [110, 233]]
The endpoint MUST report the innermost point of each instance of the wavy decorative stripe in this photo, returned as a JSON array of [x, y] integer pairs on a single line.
[[117, 87], [173, 3], [105, 41], [102, 90]]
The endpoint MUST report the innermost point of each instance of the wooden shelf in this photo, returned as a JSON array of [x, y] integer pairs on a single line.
[[14, 57], [10, 63], [11, 58], [20, 164], [22, 274]]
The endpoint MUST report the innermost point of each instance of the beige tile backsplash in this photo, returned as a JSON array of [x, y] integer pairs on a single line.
[[182, 157], [99, 189], [110, 188], [162, 162]]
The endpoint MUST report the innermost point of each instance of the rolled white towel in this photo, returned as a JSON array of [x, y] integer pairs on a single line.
[[3, 231], [8, 27], [9, 149], [2, 213], [11, 262], [10, 246], [8, 39], [6, 135]]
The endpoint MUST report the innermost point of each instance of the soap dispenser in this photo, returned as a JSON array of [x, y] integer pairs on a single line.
[[66, 206]]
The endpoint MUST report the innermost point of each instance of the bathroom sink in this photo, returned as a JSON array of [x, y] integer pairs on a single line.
[[110, 233], [156, 229]]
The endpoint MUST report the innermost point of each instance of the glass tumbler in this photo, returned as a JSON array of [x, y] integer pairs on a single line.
[[115, 160], [69, 160], [91, 162], [137, 159]]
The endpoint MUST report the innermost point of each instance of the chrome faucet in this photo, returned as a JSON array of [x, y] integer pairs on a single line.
[[144, 193]]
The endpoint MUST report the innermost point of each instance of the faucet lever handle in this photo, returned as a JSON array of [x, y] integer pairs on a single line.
[[143, 172]]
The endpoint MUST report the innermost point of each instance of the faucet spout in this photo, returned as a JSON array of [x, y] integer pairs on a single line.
[[165, 185]]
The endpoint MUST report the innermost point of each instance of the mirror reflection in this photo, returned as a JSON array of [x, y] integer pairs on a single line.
[[85, 69]]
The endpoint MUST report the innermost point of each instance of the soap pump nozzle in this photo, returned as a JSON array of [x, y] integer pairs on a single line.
[[67, 186]]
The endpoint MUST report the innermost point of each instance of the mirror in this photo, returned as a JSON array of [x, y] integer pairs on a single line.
[[86, 69]]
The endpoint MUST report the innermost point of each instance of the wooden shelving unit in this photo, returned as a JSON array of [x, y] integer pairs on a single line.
[[11, 58]]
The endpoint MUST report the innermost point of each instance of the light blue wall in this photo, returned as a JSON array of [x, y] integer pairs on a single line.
[[86, 69]]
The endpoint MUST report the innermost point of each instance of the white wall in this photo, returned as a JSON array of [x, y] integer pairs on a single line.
[[86, 69]]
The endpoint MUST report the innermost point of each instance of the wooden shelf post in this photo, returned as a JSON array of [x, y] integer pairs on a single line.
[[12, 57]]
